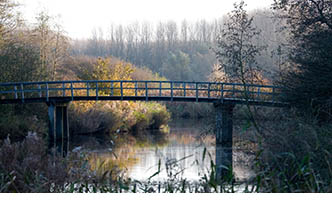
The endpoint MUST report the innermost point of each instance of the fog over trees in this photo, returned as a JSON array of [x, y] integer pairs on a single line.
[[182, 51]]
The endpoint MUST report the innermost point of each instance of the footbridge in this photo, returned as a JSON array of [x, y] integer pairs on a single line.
[[58, 94]]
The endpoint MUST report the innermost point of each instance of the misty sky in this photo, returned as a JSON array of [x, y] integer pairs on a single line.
[[79, 17]]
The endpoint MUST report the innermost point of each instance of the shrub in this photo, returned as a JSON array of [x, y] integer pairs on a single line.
[[159, 116], [25, 166], [16, 122], [92, 117], [107, 117]]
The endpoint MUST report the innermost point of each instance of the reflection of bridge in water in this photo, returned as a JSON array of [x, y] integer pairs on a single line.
[[58, 94]]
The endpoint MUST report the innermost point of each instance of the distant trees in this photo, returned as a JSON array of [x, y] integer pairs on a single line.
[[8, 19], [307, 80], [154, 47], [177, 66]]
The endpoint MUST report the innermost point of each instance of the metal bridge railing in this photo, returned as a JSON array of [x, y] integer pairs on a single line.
[[94, 90]]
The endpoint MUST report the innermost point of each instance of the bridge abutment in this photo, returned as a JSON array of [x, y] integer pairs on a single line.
[[224, 139], [58, 127]]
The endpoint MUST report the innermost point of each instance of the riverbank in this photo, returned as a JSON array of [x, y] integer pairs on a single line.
[[267, 164]]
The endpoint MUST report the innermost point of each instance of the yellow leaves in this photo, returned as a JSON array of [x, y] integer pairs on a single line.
[[106, 70]]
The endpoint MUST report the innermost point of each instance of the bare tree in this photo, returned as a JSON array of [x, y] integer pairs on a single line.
[[9, 19], [236, 52], [52, 44]]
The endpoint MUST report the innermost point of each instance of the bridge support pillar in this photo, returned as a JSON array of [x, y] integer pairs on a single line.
[[224, 139], [58, 127]]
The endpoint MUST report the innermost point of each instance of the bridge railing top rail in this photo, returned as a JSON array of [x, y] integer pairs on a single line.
[[137, 90], [132, 81]]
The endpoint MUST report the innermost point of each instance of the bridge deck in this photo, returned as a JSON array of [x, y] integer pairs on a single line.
[[176, 91]]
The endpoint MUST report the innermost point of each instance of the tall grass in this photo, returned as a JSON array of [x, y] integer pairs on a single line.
[[295, 156], [26, 167], [107, 117]]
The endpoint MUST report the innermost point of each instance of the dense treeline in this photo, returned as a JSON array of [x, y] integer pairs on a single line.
[[179, 51]]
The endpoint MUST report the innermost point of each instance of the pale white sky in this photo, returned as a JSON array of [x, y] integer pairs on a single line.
[[79, 17]]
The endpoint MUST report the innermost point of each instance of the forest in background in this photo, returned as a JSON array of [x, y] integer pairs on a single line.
[[184, 51]]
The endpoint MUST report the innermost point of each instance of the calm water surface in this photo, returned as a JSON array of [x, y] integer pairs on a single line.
[[177, 152]]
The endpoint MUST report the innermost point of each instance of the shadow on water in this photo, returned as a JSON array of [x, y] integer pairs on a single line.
[[176, 151]]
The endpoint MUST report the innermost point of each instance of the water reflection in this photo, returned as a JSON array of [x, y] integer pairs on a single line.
[[177, 153]]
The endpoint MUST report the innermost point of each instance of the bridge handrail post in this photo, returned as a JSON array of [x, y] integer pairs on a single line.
[[121, 88], [209, 87], [146, 91], [16, 95], [259, 94], [40, 91], [97, 90], [184, 89], [222, 91], [112, 89], [273, 94], [196, 92], [47, 92], [22, 92], [72, 90], [172, 91], [87, 89], [160, 86], [136, 88], [63, 90]]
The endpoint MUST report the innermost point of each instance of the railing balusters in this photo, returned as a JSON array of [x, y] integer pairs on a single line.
[[63, 90], [16, 95], [121, 88], [72, 90], [97, 90], [40, 91], [146, 91], [22, 92], [196, 92], [171, 91], [47, 93], [112, 89]]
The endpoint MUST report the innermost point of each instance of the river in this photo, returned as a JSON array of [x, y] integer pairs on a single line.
[[184, 150]]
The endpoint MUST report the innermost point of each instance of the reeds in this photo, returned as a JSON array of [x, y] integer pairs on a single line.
[[294, 156]]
